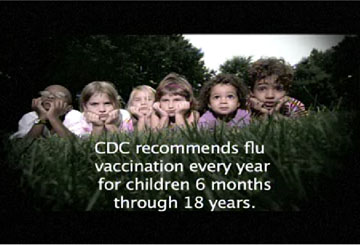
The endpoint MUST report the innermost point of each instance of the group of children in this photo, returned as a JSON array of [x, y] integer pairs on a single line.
[[223, 99]]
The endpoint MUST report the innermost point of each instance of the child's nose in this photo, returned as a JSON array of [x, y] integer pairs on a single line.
[[102, 108], [270, 93], [223, 100]]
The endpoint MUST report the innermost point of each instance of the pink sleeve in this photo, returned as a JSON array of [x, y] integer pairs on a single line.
[[127, 126]]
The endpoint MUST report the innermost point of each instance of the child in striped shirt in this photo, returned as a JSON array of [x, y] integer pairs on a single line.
[[270, 80]]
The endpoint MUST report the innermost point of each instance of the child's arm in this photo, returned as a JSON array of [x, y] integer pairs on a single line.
[[164, 117], [194, 118], [37, 128], [154, 121], [142, 120], [113, 121], [57, 109], [180, 112], [97, 124]]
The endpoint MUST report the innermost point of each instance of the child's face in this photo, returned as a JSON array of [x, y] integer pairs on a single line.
[[169, 103], [268, 91], [223, 99], [143, 100], [51, 93], [99, 104]]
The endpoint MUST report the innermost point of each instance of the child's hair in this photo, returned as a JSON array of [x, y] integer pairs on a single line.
[[241, 90], [176, 85], [265, 67], [144, 88], [100, 87]]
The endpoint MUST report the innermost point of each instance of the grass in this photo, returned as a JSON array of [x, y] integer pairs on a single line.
[[305, 155]]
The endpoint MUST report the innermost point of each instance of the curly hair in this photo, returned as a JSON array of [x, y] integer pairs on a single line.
[[265, 67], [230, 79]]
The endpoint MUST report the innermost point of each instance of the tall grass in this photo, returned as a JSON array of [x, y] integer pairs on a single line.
[[58, 174]]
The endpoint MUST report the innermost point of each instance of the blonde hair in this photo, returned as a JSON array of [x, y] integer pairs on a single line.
[[144, 88], [175, 84], [100, 87]]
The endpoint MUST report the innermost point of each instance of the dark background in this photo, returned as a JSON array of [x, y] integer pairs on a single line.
[[25, 29]]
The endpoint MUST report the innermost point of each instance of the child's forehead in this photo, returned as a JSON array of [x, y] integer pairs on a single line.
[[172, 95], [223, 87], [100, 95], [140, 93], [273, 79], [56, 88]]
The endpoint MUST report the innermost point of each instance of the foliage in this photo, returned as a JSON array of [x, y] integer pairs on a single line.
[[129, 60], [305, 157], [312, 83], [330, 77], [30, 64], [238, 65]]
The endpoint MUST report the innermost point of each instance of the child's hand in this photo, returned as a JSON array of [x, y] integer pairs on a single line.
[[161, 112], [37, 106], [258, 105], [57, 109], [113, 118], [182, 107], [93, 118], [283, 102], [136, 112], [149, 112]]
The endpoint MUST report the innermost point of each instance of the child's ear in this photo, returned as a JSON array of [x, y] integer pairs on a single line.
[[209, 106]]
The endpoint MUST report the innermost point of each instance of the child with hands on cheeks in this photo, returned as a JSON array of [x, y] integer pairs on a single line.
[[50, 115], [175, 102], [270, 80], [99, 102], [223, 99], [140, 105]]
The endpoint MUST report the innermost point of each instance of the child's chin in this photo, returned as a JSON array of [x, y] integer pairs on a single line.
[[144, 111]]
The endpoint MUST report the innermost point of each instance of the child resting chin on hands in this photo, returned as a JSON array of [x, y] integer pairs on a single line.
[[270, 80], [51, 114], [175, 102], [99, 102], [140, 105]]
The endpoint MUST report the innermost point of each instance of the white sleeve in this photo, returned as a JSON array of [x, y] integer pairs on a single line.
[[125, 115], [76, 123], [25, 125]]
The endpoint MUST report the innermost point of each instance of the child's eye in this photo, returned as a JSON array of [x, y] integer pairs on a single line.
[[231, 96], [279, 87], [261, 88], [94, 104], [108, 103], [216, 97]]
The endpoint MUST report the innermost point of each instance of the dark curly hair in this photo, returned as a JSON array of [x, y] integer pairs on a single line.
[[231, 79], [265, 67]]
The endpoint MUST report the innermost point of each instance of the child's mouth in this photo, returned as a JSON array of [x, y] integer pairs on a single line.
[[269, 104], [103, 116]]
